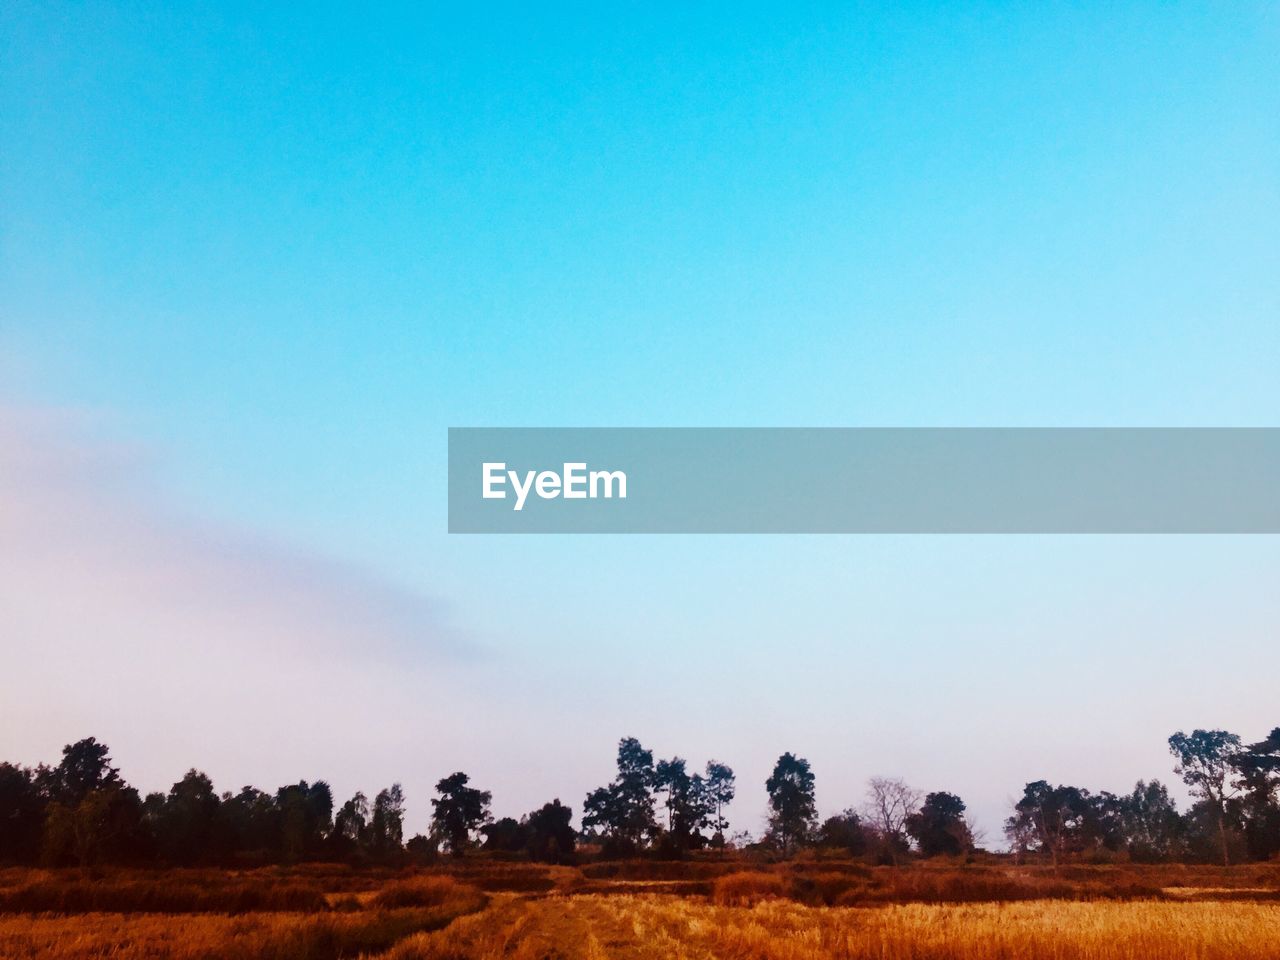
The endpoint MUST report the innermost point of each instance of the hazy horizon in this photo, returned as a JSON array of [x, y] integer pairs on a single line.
[[252, 268]]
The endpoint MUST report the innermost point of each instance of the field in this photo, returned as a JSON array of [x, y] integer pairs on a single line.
[[642, 910]]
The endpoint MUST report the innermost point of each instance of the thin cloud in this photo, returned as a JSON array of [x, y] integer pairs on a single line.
[[120, 618], [85, 536]]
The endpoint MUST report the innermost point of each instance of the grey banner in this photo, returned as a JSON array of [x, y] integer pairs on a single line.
[[712, 480]]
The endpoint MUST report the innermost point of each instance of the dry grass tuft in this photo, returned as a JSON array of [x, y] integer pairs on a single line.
[[430, 891], [747, 888]]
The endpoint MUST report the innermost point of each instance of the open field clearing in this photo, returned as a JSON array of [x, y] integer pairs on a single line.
[[644, 910], [282, 936], [346, 925], [640, 928]]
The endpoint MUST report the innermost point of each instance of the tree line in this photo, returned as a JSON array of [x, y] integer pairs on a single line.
[[82, 812]]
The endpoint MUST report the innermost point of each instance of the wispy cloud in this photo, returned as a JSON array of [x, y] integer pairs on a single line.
[[85, 537], [121, 617]]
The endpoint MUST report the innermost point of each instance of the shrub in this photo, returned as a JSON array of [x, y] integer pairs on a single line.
[[747, 888], [419, 892]]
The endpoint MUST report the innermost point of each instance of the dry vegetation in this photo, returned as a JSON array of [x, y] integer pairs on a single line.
[[665, 928], [809, 910]]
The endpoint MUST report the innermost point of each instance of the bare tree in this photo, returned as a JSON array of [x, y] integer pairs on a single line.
[[889, 802]]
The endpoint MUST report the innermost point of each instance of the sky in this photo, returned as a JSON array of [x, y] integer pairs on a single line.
[[253, 264]]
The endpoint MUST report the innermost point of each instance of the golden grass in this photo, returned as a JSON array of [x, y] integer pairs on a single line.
[[281, 936], [747, 888], [418, 892], [653, 928], [806, 910], [319, 935]]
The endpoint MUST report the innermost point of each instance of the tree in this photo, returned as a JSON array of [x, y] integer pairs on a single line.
[[719, 782], [305, 812], [351, 822], [252, 821], [791, 802], [549, 834], [939, 827], [687, 803], [92, 814], [22, 813], [1152, 825], [1051, 817], [845, 831], [623, 810], [186, 823], [460, 810], [85, 766], [1259, 767], [1206, 760], [889, 802], [103, 825], [386, 827], [505, 835]]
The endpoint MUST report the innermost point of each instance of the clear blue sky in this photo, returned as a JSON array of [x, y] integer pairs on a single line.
[[276, 255]]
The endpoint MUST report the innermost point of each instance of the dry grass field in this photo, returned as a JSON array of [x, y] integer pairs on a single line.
[[645, 911]]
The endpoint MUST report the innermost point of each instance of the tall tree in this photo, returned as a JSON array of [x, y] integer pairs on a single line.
[[939, 827], [187, 826], [1152, 825], [720, 788], [791, 802], [386, 828], [460, 811], [85, 766], [1052, 817], [351, 822], [1206, 762], [623, 810], [305, 816], [93, 814], [22, 813], [1259, 767], [549, 834], [687, 803], [252, 821]]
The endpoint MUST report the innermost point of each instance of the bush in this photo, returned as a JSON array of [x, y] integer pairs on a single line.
[[829, 889], [420, 892], [747, 888]]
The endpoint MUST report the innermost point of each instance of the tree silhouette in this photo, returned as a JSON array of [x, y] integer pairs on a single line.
[[305, 814], [1153, 827], [186, 823], [687, 804], [623, 810], [460, 810], [22, 814], [550, 836], [1206, 761], [720, 789], [1259, 768], [386, 827], [1052, 816], [351, 822], [844, 831], [939, 827], [791, 801]]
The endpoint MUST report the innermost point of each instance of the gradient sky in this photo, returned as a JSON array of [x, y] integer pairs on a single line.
[[253, 265]]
